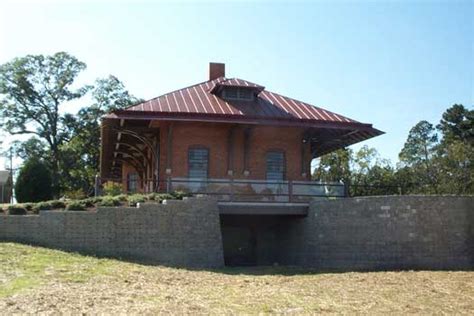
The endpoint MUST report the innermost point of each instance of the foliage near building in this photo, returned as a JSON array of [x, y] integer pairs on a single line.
[[35, 92], [91, 203], [433, 160], [34, 182]]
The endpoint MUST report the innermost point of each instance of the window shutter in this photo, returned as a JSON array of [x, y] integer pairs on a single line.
[[198, 162], [275, 165], [132, 182]]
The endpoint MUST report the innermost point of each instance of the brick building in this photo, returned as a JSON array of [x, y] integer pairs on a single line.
[[223, 130]]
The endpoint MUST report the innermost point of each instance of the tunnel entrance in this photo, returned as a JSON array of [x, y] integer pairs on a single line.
[[251, 240]]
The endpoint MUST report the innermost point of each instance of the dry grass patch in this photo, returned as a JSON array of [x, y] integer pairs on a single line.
[[37, 280]]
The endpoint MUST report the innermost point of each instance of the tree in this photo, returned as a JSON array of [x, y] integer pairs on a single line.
[[455, 153], [457, 123], [362, 162], [334, 166], [34, 182], [456, 168], [79, 158], [371, 175], [363, 171], [419, 152], [32, 148], [33, 89]]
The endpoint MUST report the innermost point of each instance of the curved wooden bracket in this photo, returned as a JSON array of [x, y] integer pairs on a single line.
[[137, 150]]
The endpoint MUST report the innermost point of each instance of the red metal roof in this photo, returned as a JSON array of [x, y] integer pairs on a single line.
[[199, 99]]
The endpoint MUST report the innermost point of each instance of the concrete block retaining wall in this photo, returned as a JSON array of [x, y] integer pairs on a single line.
[[376, 233], [371, 233], [180, 233]]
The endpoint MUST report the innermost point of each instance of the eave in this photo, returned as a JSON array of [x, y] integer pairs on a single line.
[[239, 119]]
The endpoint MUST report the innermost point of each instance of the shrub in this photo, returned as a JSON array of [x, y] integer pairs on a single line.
[[91, 202], [76, 194], [179, 195], [35, 209], [109, 201], [16, 209], [34, 182], [43, 206], [57, 204], [96, 199], [76, 206], [122, 197], [112, 188], [164, 196], [151, 196], [136, 198], [29, 206]]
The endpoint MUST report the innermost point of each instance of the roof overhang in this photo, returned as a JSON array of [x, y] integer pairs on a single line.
[[239, 119]]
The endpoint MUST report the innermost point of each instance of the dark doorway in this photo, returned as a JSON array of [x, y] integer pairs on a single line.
[[251, 240], [240, 244]]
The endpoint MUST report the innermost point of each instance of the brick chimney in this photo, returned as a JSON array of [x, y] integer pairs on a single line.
[[216, 70]]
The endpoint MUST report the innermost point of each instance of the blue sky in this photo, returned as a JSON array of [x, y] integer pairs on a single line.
[[389, 63]]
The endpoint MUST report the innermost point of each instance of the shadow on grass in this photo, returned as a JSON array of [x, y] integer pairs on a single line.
[[282, 270]]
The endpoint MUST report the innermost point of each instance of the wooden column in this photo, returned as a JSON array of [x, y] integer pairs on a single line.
[[169, 149], [247, 135], [304, 144], [230, 151]]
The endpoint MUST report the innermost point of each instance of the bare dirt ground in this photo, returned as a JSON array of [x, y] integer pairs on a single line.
[[37, 280]]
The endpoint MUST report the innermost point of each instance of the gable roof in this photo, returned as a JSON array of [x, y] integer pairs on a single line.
[[198, 100]]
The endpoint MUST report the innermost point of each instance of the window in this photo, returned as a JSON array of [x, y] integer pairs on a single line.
[[132, 182], [238, 93], [198, 162], [275, 165]]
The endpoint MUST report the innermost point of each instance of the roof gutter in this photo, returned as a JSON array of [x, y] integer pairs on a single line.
[[223, 118]]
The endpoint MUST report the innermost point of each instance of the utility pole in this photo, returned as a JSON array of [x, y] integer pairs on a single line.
[[11, 175]]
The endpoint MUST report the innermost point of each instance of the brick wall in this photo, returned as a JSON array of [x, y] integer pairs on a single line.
[[181, 233], [211, 136], [214, 136], [372, 233]]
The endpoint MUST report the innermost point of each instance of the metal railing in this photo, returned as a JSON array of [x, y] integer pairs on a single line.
[[239, 190], [243, 190]]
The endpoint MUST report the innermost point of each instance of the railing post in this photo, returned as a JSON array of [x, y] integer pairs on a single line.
[[346, 189], [290, 191], [231, 189], [168, 184]]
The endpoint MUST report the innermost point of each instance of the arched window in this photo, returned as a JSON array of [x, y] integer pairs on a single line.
[[198, 162], [275, 165]]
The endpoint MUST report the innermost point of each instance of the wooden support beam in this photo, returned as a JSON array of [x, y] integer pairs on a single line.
[[230, 151], [304, 143], [247, 136], [169, 149]]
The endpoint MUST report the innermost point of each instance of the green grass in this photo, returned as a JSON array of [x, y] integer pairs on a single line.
[[38, 280], [24, 267]]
